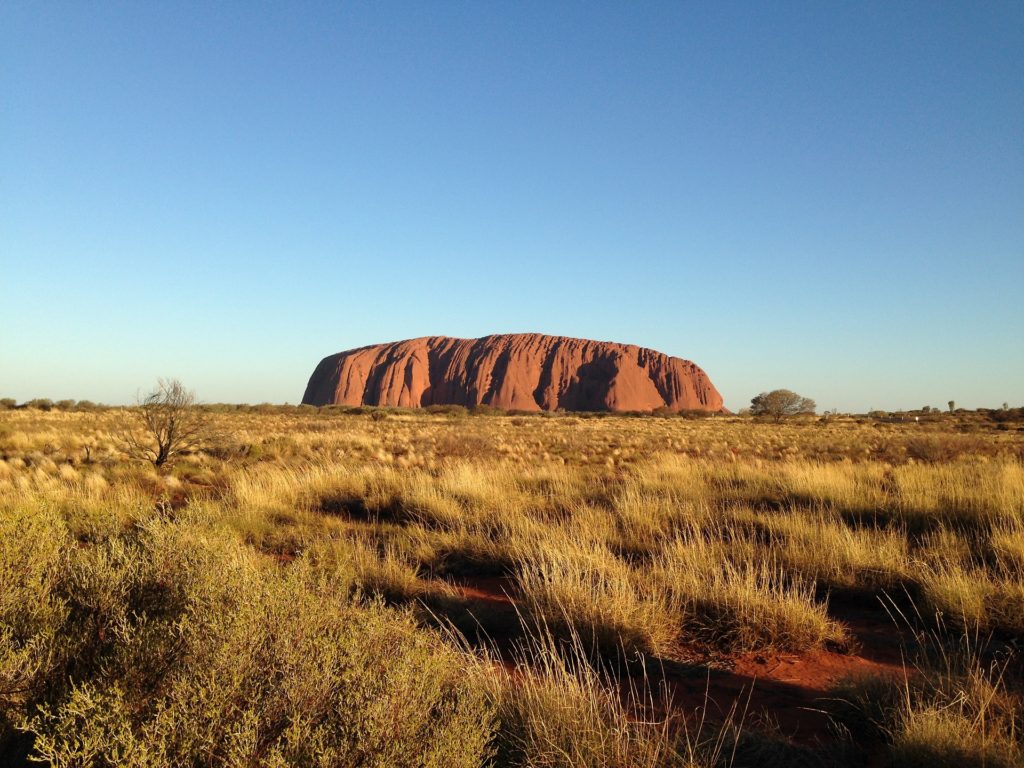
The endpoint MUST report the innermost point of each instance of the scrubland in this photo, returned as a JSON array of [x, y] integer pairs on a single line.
[[387, 588]]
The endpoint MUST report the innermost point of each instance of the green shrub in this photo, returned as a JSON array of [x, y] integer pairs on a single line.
[[447, 410], [486, 410], [176, 645], [34, 613]]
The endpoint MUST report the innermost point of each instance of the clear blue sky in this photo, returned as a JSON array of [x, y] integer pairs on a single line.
[[820, 196]]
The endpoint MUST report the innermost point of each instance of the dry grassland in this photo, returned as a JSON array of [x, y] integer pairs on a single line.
[[437, 589]]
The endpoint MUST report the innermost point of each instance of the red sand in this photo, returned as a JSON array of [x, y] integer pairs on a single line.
[[788, 690]]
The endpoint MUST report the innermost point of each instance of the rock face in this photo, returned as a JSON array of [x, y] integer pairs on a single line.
[[523, 371]]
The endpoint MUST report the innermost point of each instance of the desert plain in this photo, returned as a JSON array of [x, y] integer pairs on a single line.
[[452, 587]]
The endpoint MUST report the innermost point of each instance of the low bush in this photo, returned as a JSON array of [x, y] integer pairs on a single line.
[[175, 646]]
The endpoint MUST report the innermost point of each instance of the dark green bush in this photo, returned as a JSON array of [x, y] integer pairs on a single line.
[[486, 410], [447, 410]]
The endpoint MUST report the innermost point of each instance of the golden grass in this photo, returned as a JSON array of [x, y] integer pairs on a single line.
[[616, 538], [559, 710], [954, 706]]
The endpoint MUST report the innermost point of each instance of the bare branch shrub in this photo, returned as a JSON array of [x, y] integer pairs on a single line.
[[165, 424]]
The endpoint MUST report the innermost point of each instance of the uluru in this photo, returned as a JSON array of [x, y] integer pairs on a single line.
[[522, 371]]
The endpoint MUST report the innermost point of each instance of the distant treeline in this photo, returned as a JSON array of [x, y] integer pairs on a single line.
[[925, 414]]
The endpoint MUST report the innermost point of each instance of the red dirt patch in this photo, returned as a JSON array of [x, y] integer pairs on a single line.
[[787, 690], [488, 589]]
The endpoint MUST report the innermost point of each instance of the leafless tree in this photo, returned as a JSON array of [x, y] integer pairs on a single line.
[[780, 403], [166, 423]]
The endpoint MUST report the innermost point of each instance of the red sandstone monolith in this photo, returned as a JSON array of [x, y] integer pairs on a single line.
[[521, 371]]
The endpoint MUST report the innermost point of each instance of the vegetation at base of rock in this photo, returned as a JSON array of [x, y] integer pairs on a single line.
[[780, 403]]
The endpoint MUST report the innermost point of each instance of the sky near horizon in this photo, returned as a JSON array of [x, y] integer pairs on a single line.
[[827, 198]]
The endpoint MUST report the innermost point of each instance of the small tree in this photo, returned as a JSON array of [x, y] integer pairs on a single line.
[[166, 423], [780, 403], [952, 405]]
